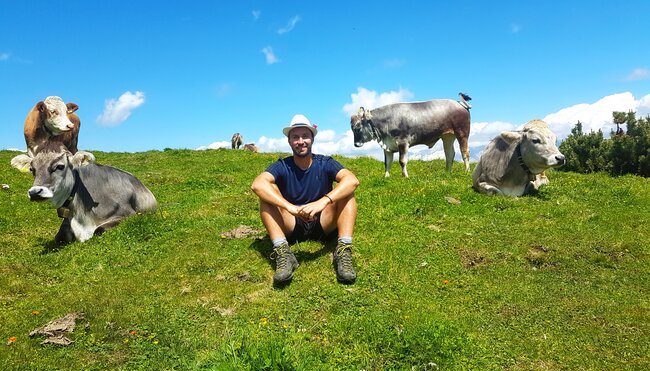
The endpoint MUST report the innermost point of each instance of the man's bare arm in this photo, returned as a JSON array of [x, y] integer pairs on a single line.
[[265, 188]]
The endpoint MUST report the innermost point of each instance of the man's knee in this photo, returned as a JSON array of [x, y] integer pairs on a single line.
[[274, 217], [348, 203]]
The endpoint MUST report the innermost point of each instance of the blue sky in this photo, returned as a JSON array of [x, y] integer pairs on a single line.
[[188, 74]]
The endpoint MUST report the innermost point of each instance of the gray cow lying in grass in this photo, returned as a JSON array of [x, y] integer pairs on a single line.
[[90, 198], [513, 163]]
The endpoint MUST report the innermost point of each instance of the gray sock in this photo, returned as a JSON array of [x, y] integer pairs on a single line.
[[346, 240], [279, 242]]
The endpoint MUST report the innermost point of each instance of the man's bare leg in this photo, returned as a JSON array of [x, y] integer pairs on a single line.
[[279, 223], [342, 214]]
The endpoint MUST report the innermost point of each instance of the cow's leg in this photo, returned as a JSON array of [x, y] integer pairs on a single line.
[[65, 234], [464, 150], [110, 223], [403, 157], [488, 189], [531, 187], [388, 161], [448, 144]]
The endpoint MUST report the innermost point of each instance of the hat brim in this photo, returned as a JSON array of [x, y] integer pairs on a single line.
[[289, 128]]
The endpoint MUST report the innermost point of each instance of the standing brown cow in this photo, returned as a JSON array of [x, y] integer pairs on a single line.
[[52, 120]]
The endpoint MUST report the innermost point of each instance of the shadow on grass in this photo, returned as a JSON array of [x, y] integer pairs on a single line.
[[50, 246]]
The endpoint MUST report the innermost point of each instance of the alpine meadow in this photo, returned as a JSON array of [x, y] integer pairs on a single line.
[[447, 278]]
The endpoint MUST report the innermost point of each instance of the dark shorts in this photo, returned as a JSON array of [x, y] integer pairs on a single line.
[[311, 230]]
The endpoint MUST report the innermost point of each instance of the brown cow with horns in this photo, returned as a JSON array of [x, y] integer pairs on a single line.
[[52, 120]]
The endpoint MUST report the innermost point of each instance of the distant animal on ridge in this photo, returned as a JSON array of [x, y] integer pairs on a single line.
[[52, 120], [396, 127], [236, 141], [251, 147], [514, 162], [91, 198]]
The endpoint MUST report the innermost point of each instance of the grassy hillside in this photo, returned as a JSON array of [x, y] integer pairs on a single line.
[[559, 280]]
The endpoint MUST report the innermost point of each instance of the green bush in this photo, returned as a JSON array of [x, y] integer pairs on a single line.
[[623, 153]]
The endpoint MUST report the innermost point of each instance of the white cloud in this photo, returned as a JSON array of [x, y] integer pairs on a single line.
[[326, 134], [594, 116], [481, 133], [117, 111], [4, 56], [290, 26], [370, 99], [643, 110], [639, 74], [215, 145], [256, 14], [270, 57]]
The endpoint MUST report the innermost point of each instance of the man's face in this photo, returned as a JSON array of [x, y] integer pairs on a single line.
[[300, 140]]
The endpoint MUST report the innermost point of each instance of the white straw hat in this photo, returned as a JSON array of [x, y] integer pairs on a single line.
[[300, 121]]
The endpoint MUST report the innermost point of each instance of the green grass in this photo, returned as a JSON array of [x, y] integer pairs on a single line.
[[559, 280]]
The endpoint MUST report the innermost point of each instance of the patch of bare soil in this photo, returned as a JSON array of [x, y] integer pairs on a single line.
[[242, 231], [538, 257], [56, 330], [472, 258]]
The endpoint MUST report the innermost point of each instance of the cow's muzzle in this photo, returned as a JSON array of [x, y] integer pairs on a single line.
[[39, 194], [560, 160]]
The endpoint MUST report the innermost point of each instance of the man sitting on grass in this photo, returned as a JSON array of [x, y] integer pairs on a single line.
[[298, 203]]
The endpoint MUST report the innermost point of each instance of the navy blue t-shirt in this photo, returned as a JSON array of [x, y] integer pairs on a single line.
[[301, 187]]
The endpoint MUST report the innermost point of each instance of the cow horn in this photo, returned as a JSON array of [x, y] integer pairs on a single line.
[[364, 113]]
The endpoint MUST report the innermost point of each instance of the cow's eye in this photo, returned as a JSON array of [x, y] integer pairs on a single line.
[[60, 167], [31, 170], [536, 141]]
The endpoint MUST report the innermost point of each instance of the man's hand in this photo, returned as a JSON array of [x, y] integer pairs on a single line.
[[308, 212]]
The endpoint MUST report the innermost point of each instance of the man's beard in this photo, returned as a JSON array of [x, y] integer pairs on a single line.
[[300, 154]]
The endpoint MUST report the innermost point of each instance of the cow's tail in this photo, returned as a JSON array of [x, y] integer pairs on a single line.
[[464, 98]]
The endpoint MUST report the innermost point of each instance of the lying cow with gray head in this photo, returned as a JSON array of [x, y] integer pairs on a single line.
[[513, 163], [396, 127], [90, 198]]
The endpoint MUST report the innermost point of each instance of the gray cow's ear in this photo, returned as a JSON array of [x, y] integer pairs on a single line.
[[511, 136], [82, 158], [22, 162]]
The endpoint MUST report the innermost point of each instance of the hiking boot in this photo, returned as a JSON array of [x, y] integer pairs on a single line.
[[343, 263], [285, 263]]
